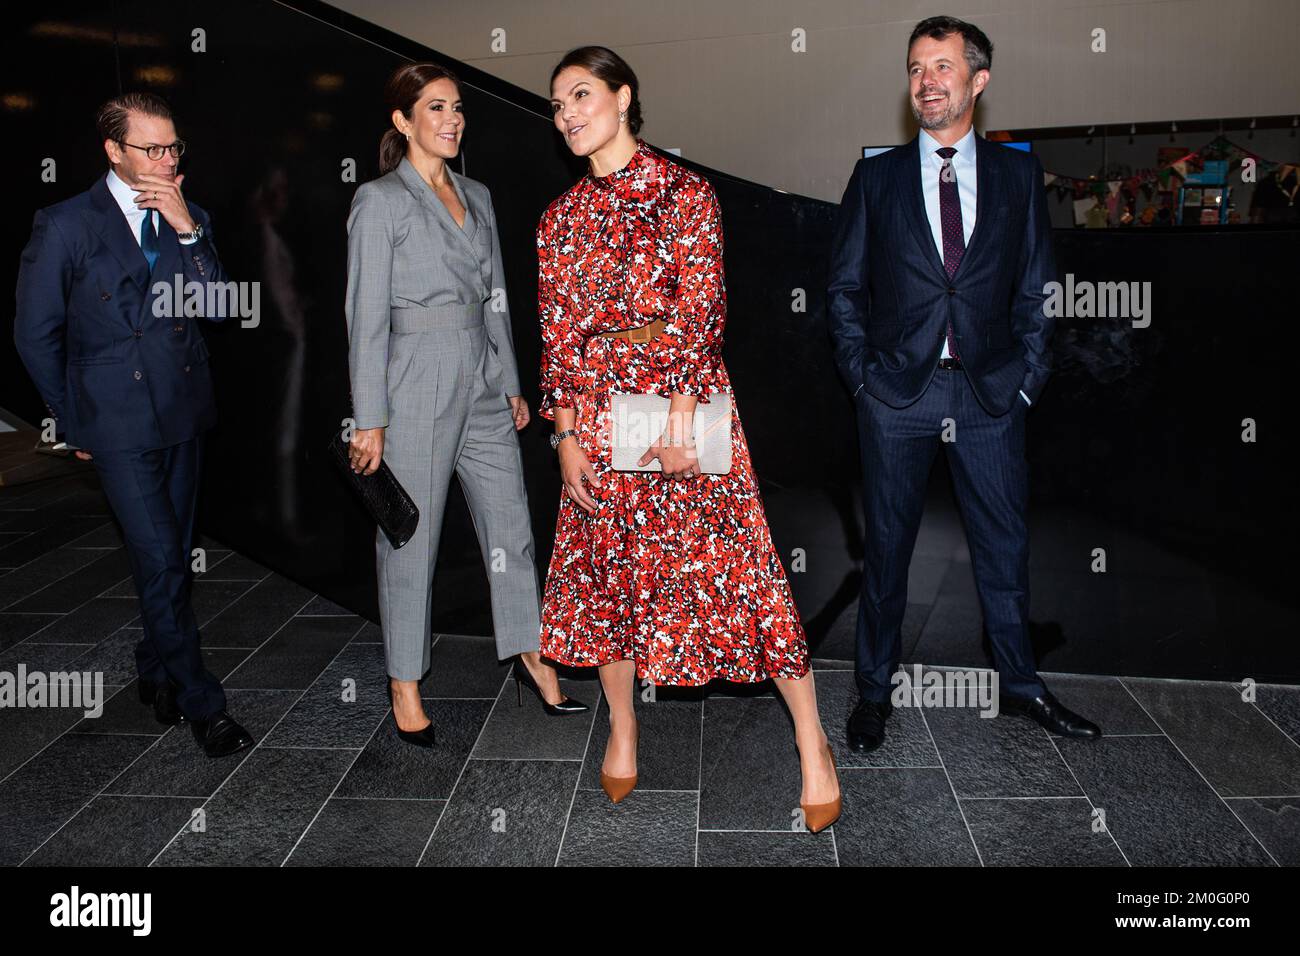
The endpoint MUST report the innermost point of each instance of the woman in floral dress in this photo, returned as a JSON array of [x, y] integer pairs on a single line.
[[672, 576]]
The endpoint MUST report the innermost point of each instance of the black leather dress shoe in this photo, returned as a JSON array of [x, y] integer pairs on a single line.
[[1054, 716], [163, 698], [219, 735], [866, 729]]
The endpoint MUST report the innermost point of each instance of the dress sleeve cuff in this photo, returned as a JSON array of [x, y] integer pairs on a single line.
[[687, 370], [698, 379], [559, 396]]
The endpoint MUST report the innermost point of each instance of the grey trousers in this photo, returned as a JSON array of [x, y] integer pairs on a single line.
[[448, 412]]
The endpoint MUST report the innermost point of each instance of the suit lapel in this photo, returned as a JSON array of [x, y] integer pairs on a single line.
[[169, 252], [471, 212], [424, 193], [109, 222], [910, 158], [987, 194]]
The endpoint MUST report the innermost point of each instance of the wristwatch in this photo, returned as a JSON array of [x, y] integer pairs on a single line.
[[560, 436], [191, 236]]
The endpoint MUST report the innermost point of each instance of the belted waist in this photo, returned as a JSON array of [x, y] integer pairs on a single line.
[[436, 318], [642, 333]]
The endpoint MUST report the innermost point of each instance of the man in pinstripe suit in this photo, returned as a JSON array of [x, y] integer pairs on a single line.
[[941, 255]]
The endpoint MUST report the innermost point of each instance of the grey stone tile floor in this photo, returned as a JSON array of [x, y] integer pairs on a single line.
[[1189, 773]]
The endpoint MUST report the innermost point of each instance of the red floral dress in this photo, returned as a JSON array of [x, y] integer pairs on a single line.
[[681, 575]]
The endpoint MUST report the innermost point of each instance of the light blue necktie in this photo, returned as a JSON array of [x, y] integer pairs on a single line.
[[149, 239]]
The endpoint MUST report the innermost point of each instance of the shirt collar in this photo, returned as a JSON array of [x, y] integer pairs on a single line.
[[124, 195], [965, 147]]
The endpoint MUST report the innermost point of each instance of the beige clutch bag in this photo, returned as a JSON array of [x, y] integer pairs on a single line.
[[638, 420]]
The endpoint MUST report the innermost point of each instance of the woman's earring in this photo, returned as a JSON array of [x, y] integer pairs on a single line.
[[622, 117]]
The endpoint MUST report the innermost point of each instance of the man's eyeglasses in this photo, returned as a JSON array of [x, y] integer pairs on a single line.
[[155, 153]]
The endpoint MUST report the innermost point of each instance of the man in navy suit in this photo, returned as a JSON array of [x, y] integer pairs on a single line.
[[124, 375], [939, 263]]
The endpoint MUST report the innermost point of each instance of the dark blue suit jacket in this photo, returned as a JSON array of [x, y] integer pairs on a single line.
[[113, 373], [889, 299]]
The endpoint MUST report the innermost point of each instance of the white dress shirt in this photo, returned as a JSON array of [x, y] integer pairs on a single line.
[[134, 213], [964, 166]]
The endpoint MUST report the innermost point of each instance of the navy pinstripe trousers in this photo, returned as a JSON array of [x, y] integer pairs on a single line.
[[990, 476]]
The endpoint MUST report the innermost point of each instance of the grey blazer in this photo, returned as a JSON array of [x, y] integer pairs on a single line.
[[406, 251]]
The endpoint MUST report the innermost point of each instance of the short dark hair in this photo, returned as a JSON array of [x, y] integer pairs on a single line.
[[114, 117], [977, 46], [610, 67]]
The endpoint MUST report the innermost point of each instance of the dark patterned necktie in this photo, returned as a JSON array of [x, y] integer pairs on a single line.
[[954, 241], [149, 239]]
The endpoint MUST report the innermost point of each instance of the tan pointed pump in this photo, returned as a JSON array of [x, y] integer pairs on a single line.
[[818, 816], [617, 787]]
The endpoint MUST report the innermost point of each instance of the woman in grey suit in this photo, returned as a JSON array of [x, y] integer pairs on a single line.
[[435, 388]]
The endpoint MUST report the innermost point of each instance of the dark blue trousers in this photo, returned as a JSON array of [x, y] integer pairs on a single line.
[[990, 475], [153, 494]]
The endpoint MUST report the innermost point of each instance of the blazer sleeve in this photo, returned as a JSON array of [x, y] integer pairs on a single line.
[[689, 350], [40, 323], [370, 271], [847, 295], [199, 260], [1030, 321], [562, 375], [499, 325]]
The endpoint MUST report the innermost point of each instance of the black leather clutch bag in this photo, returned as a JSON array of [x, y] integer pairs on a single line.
[[381, 493]]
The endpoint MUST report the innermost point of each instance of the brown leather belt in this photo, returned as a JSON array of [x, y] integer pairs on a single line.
[[643, 333]]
